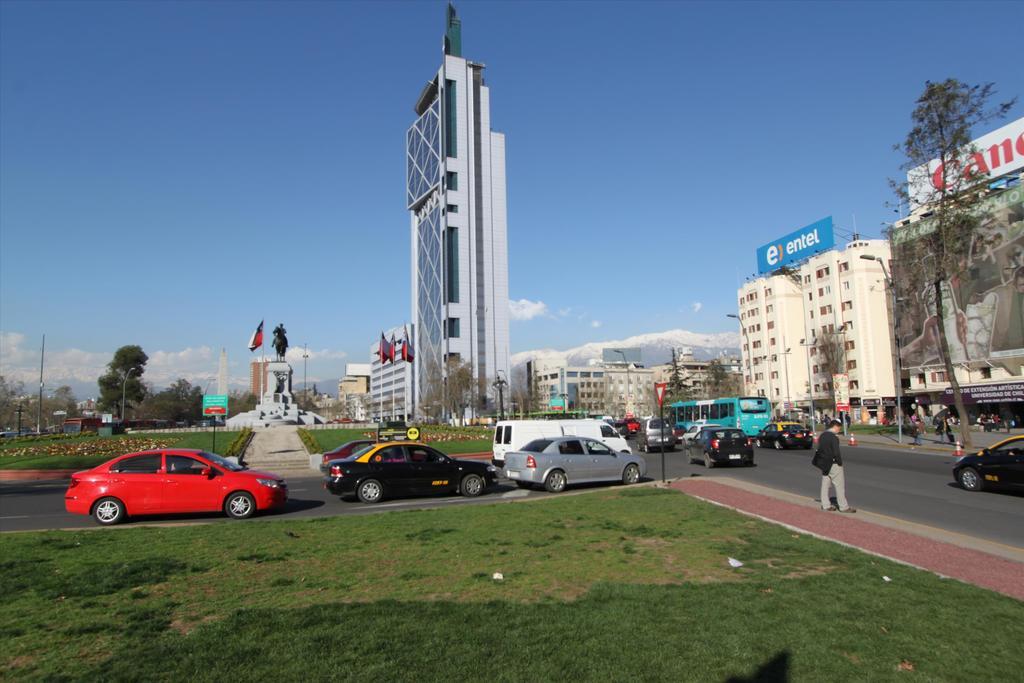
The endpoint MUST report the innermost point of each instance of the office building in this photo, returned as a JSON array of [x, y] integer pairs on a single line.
[[391, 383], [455, 194]]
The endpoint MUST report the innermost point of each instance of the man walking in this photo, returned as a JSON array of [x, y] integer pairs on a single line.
[[830, 462]]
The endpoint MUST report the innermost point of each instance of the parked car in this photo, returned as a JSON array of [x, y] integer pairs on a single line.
[[406, 467], [1001, 464], [172, 481], [511, 435], [558, 462], [654, 433], [780, 435], [721, 446], [344, 451], [693, 431]]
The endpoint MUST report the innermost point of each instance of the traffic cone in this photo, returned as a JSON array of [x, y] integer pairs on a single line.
[[959, 450], [853, 440]]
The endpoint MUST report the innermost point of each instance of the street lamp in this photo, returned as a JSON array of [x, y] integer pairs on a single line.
[[749, 367], [810, 379], [629, 394], [785, 363], [499, 384], [124, 385], [896, 335]]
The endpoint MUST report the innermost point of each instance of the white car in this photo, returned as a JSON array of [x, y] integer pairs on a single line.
[[693, 431]]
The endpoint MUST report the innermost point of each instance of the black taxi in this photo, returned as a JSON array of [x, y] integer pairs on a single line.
[[405, 468], [1000, 464]]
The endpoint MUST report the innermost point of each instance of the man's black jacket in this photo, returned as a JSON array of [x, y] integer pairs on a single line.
[[828, 451]]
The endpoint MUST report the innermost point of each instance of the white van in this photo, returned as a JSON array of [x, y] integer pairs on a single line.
[[511, 435]]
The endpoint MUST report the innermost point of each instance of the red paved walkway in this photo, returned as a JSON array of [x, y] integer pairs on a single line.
[[970, 566]]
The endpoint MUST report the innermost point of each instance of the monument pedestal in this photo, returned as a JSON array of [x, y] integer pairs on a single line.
[[277, 405]]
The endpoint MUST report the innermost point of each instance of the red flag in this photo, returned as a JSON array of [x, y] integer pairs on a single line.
[[407, 350], [391, 349], [385, 351], [256, 340]]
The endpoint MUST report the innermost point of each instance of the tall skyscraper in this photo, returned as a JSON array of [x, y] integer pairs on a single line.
[[455, 193], [222, 373]]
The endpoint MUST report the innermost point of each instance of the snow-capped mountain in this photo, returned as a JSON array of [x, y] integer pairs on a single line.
[[656, 348]]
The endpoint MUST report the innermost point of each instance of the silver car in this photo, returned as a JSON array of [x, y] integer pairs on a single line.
[[557, 462]]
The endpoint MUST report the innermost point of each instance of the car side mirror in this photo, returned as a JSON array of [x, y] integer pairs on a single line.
[[985, 451], [206, 472]]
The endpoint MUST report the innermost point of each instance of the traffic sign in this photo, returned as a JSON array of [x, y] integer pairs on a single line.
[[659, 389], [412, 433], [215, 404]]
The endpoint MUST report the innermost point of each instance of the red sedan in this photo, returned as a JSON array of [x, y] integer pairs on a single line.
[[172, 481], [343, 451]]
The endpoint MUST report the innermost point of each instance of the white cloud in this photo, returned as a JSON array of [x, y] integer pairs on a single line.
[[696, 306], [524, 309], [595, 323]]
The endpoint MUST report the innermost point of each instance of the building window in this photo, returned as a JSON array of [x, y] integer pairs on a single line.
[[844, 266], [771, 324], [815, 369], [769, 308], [771, 342], [452, 179], [453, 328], [851, 365], [453, 208], [850, 345], [939, 376], [921, 380], [768, 292], [847, 305], [810, 296], [846, 285], [450, 143], [854, 384], [452, 264]]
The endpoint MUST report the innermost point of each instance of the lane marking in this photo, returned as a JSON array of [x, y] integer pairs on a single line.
[[21, 516]]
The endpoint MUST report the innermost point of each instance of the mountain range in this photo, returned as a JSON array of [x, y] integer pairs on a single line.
[[656, 348]]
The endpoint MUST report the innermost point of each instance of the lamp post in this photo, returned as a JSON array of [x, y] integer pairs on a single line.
[[499, 384], [750, 367], [629, 395], [896, 336], [810, 379], [785, 363], [124, 386]]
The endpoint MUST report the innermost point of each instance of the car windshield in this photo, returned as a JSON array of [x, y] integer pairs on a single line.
[[655, 424], [537, 445], [727, 434], [222, 462]]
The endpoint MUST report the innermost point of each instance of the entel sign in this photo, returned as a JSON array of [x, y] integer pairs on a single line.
[[998, 153], [796, 246]]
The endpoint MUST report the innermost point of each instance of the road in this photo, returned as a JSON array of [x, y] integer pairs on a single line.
[[912, 486]]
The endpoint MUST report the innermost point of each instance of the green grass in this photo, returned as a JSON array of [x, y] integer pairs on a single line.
[[328, 439], [88, 451], [608, 585]]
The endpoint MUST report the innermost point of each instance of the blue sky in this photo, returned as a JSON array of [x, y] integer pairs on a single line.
[[171, 173]]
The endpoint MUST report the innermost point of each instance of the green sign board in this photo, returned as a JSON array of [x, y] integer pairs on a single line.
[[215, 404], [557, 403]]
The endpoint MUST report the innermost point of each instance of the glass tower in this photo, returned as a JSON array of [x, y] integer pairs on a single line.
[[455, 193]]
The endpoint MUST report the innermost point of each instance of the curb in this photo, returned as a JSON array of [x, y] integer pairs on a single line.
[[36, 475]]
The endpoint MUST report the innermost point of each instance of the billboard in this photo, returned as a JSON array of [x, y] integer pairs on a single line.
[[997, 153], [796, 246], [983, 309]]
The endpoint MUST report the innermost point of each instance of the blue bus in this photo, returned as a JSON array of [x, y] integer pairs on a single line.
[[749, 413]]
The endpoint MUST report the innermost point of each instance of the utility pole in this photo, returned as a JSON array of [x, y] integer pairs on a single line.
[[305, 376], [19, 410]]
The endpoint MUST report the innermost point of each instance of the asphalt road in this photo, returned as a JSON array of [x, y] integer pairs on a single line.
[[912, 486]]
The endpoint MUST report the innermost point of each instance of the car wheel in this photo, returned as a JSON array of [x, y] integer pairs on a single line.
[[524, 484], [472, 485], [708, 462], [778, 445], [631, 475], [370, 491], [108, 511], [239, 505], [555, 481], [970, 479]]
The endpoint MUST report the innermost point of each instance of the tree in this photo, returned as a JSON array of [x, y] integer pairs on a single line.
[[241, 402], [935, 253], [127, 358], [177, 403], [830, 349], [11, 394], [460, 389]]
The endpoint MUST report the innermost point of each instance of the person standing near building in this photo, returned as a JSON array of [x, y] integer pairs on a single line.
[[829, 460]]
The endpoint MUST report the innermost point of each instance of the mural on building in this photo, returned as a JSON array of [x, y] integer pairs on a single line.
[[983, 311]]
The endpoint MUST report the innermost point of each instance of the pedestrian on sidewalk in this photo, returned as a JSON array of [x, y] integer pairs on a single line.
[[915, 424], [947, 428], [829, 460]]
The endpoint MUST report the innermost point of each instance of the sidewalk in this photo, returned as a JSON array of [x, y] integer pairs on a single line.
[[931, 441], [955, 556]]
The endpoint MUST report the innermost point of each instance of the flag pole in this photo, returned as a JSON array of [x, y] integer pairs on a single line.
[[380, 379]]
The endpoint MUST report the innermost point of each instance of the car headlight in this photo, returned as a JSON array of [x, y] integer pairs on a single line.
[[269, 483]]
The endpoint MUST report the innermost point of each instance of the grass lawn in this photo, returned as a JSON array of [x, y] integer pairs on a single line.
[[88, 451], [332, 438], [614, 584]]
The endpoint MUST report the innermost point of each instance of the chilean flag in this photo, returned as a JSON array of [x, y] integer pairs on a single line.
[[256, 340], [391, 349], [407, 350], [385, 351]]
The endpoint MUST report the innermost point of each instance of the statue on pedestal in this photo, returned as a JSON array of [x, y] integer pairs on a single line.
[[280, 341]]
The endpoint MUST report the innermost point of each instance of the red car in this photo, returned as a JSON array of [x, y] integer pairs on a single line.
[[172, 481], [633, 425], [344, 451]]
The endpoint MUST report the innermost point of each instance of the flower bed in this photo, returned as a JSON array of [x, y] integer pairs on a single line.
[[92, 447]]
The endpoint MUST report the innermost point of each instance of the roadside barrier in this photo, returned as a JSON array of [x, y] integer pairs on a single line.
[[959, 450], [853, 439]]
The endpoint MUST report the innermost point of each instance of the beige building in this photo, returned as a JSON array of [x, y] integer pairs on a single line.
[[832, 314], [607, 389], [694, 373]]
